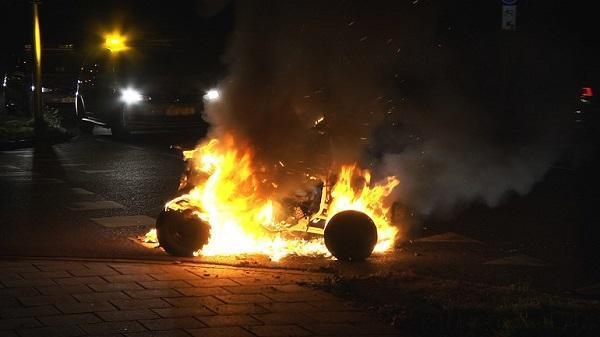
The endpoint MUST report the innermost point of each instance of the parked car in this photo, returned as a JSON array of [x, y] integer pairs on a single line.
[[60, 65], [151, 85]]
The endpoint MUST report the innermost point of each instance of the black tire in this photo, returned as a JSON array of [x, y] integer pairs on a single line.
[[181, 233], [350, 236], [86, 127]]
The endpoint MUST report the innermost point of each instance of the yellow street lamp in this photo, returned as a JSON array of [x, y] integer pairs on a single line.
[[39, 123], [115, 42]]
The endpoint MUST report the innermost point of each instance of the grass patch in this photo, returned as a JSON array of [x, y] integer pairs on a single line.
[[15, 128], [22, 128], [432, 307]]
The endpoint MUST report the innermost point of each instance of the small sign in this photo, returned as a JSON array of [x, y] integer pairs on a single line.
[[509, 2], [509, 17]]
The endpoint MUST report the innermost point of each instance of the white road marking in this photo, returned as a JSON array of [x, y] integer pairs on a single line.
[[18, 174], [49, 160], [17, 151], [94, 205], [519, 260], [34, 180], [80, 191], [9, 167], [448, 237], [125, 221], [97, 171]]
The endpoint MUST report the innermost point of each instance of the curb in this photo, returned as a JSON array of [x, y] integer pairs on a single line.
[[63, 136], [185, 263]]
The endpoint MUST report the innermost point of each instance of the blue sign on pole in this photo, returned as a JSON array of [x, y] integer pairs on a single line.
[[509, 2], [509, 17]]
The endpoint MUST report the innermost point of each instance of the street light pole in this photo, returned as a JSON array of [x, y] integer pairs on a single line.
[[39, 123]]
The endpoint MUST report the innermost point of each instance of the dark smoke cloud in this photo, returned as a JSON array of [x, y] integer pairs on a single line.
[[208, 8], [294, 62], [409, 88], [486, 115]]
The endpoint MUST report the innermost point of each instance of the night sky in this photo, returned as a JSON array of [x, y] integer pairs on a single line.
[[80, 22], [210, 23]]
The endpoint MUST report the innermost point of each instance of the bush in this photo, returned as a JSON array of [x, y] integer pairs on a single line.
[[19, 127]]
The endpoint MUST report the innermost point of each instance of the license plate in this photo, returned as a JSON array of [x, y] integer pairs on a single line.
[[67, 100], [176, 110]]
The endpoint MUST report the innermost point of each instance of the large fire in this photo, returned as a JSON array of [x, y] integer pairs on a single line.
[[228, 193]]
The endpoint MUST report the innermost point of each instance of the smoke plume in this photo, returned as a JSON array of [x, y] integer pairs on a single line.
[[427, 92]]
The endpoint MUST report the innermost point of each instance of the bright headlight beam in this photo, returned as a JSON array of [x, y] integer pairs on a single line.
[[212, 95], [131, 96]]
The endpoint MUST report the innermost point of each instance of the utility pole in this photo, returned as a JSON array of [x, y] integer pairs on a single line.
[[507, 39], [38, 116]]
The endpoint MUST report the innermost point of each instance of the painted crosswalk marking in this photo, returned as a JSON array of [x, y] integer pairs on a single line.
[[96, 171], [18, 151], [80, 191], [94, 205], [9, 167], [33, 180], [17, 174], [125, 221]]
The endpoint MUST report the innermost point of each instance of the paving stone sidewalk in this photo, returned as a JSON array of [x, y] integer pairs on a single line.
[[98, 298]]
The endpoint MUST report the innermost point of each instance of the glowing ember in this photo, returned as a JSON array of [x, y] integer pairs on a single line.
[[244, 221], [318, 121], [150, 237]]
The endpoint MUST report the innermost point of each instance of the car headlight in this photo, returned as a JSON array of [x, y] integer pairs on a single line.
[[131, 96], [212, 95]]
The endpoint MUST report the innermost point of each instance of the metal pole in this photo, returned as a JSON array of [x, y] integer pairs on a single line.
[[38, 115]]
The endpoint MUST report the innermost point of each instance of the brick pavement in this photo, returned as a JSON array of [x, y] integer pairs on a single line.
[[134, 299]]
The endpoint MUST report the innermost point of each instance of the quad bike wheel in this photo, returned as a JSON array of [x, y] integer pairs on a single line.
[[350, 236], [181, 233]]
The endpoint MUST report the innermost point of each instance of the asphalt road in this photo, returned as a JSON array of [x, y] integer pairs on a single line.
[[50, 197], [43, 186]]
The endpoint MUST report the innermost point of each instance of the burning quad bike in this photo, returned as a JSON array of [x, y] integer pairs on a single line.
[[348, 235]]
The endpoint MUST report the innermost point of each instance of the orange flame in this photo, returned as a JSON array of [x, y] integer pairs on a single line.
[[228, 199], [367, 199]]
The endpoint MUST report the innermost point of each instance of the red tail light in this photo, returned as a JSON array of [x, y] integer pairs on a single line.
[[587, 92]]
